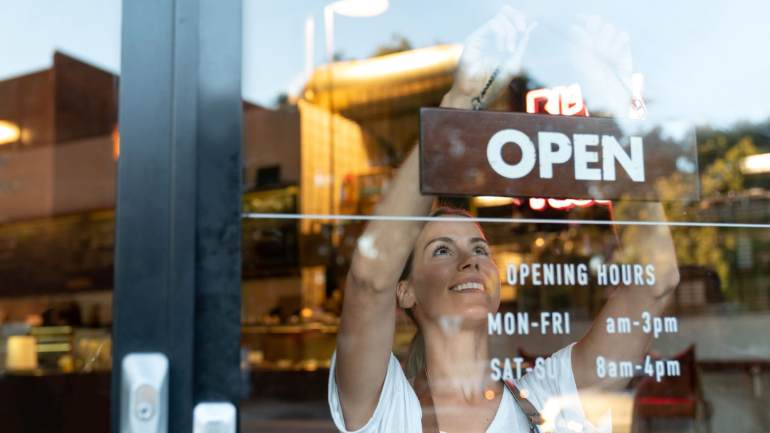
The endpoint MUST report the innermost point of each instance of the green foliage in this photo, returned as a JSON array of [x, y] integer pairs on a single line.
[[709, 246], [724, 174], [397, 44], [714, 143]]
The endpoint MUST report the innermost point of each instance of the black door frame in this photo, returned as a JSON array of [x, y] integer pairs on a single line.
[[177, 255]]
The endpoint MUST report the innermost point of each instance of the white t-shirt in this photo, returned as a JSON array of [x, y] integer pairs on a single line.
[[554, 394]]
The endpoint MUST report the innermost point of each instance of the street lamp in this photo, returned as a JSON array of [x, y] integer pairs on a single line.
[[348, 8], [359, 8], [9, 132], [353, 9]]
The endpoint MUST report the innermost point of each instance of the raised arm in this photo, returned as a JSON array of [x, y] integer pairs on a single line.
[[367, 328], [603, 56], [640, 244]]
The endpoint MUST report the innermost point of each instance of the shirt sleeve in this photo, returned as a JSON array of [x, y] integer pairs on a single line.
[[398, 409], [550, 386]]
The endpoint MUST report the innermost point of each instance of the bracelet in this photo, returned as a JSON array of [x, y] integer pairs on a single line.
[[476, 101]]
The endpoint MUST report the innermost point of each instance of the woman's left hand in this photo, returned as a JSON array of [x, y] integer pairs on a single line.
[[491, 57]]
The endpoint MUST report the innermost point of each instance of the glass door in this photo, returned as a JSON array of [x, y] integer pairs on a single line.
[[58, 162], [613, 159], [177, 261]]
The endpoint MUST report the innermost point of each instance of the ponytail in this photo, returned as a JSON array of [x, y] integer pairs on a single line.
[[415, 361]]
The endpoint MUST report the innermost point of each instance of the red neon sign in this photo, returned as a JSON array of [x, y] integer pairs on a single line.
[[537, 203], [566, 101]]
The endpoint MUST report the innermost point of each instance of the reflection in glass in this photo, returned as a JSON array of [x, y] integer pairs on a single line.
[[723, 295]]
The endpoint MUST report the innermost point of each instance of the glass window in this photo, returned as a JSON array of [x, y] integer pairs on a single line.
[[631, 220], [58, 151]]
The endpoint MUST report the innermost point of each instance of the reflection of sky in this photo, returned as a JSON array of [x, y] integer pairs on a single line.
[[703, 60]]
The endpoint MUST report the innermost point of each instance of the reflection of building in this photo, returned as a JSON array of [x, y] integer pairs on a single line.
[[298, 158], [63, 164], [57, 194], [69, 101], [63, 160], [373, 105], [57, 181], [332, 152], [358, 120], [57, 190]]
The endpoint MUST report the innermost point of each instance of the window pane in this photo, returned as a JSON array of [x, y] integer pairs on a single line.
[[58, 151], [333, 101]]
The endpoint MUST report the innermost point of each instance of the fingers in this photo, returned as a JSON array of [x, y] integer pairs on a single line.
[[601, 37], [505, 30], [500, 32], [518, 27], [514, 28], [499, 45], [515, 17], [603, 57], [620, 44], [513, 21]]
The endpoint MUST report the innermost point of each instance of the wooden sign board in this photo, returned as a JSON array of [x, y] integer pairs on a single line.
[[472, 153]]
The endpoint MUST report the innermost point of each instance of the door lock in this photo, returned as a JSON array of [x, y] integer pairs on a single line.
[[144, 393]]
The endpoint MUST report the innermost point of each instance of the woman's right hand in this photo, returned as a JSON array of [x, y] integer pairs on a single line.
[[496, 48], [602, 56]]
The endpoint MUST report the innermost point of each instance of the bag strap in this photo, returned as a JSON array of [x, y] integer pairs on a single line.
[[430, 421], [526, 406]]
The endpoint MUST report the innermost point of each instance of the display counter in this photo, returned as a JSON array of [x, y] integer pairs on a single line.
[[55, 402]]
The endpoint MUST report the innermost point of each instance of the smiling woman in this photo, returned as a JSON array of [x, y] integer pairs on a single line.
[[444, 248], [442, 273]]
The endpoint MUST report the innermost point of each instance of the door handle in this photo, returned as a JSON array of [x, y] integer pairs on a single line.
[[144, 393], [214, 417]]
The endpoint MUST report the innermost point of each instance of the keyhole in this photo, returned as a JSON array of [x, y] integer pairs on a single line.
[[144, 411]]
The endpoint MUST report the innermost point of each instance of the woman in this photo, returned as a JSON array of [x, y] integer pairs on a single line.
[[442, 273]]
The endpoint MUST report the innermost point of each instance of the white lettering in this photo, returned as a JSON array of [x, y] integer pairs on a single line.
[[583, 156], [548, 279], [494, 325], [548, 156], [536, 274], [494, 365], [555, 148], [495, 153], [569, 274], [511, 274], [650, 271], [582, 270], [601, 275], [544, 322], [508, 323], [523, 273], [612, 151]]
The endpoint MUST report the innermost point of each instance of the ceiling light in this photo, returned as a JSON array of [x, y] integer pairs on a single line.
[[9, 132]]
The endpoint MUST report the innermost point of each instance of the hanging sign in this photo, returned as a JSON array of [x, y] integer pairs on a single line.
[[524, 155]]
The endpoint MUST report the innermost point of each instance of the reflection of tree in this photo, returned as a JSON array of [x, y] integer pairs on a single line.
[[720, 155], [724, 175], [397, 44]]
